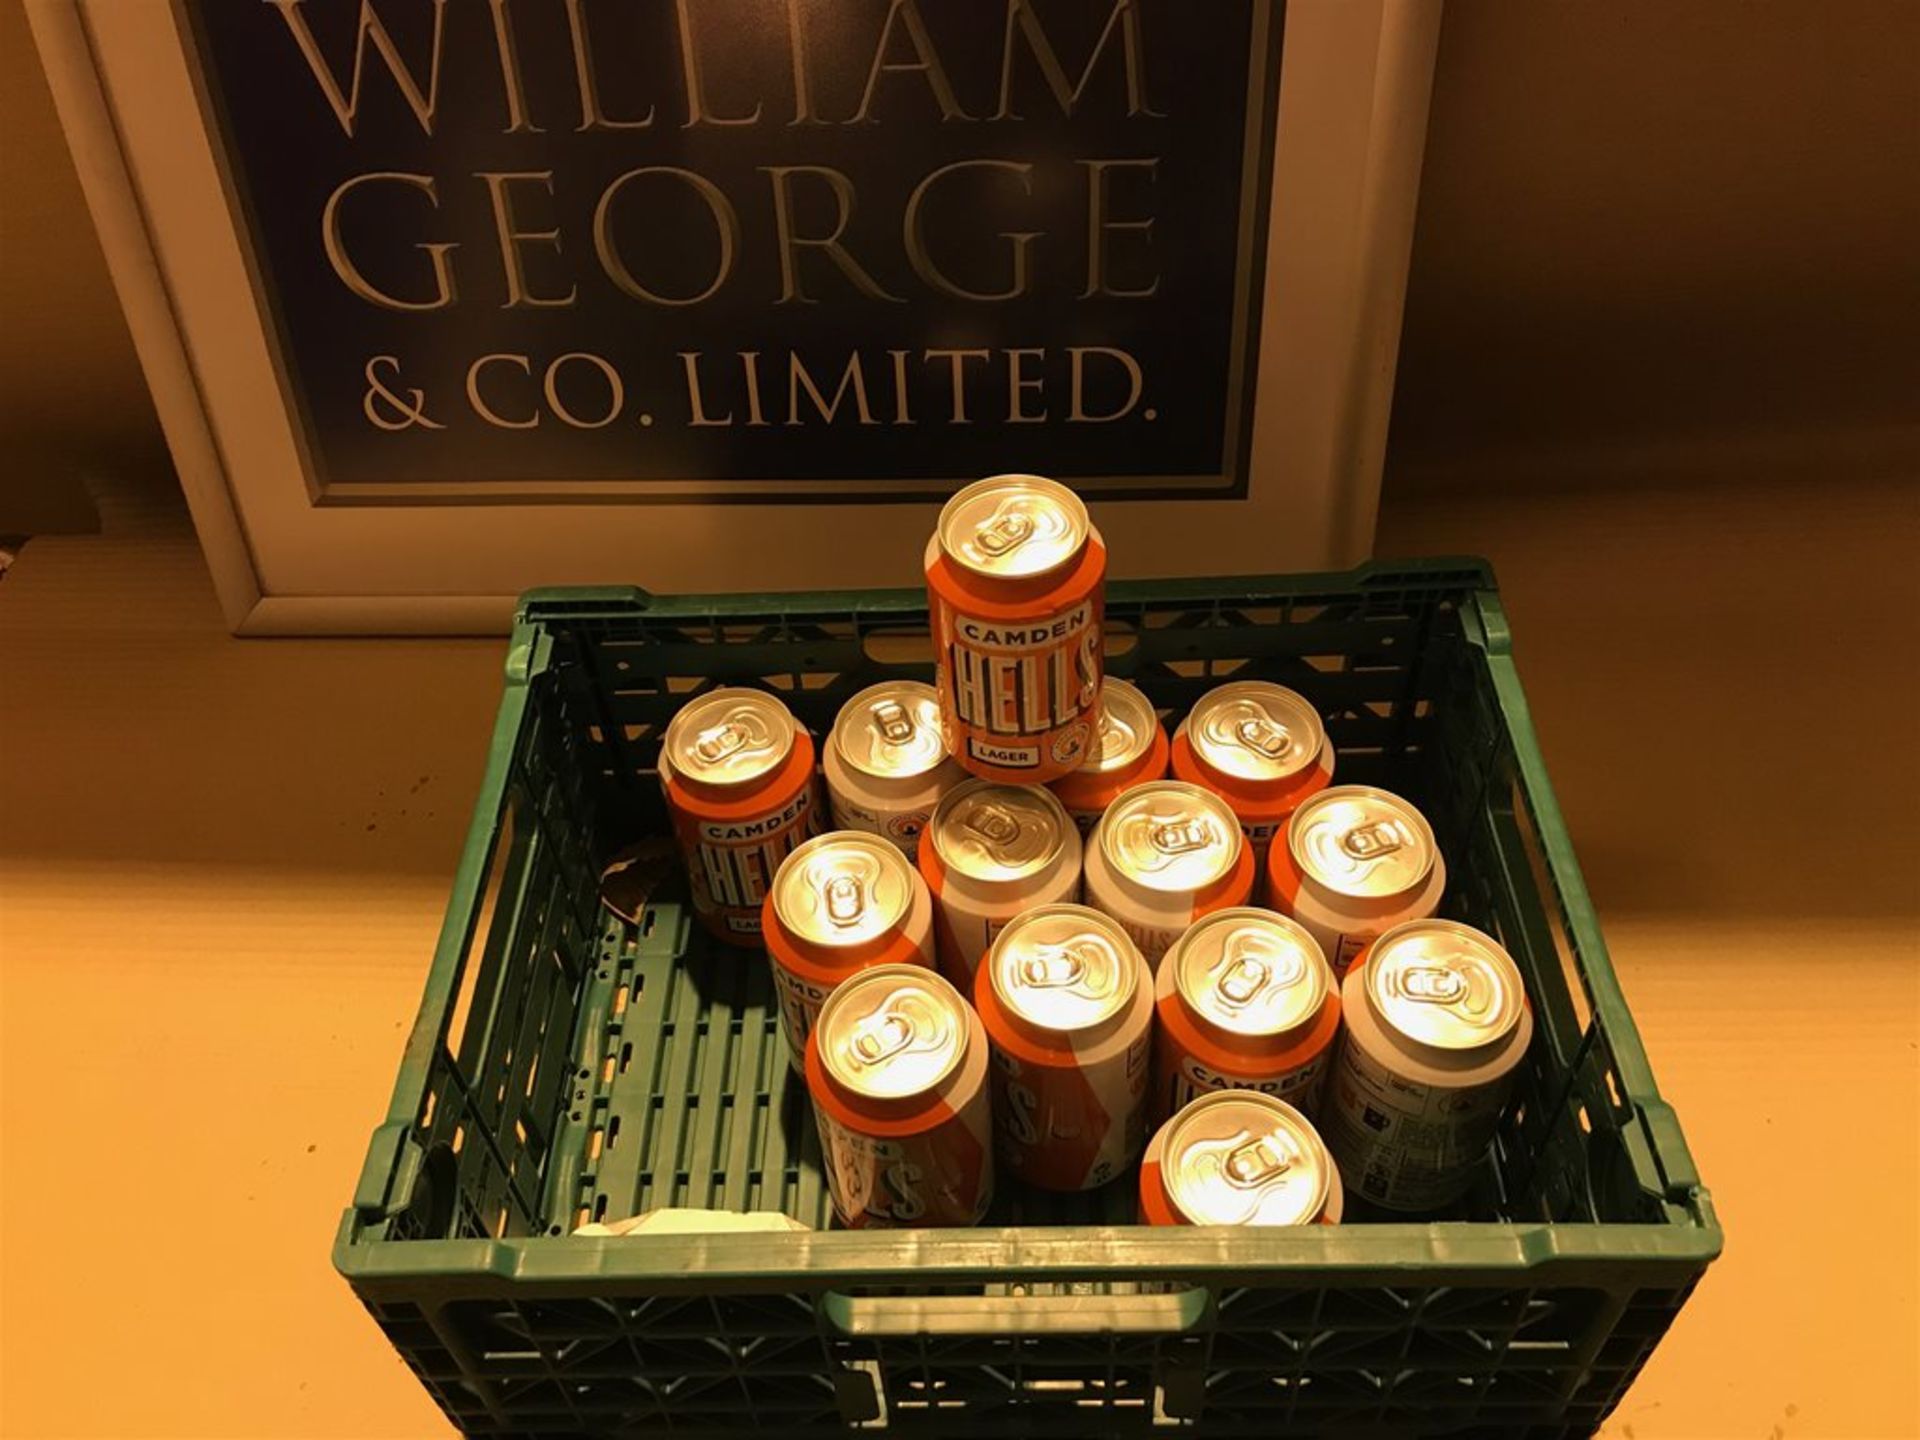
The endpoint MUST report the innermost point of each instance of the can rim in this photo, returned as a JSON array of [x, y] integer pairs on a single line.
[[1222, 846], [839, 920], [925, 701], [1419, 1008], [1314, 986], [1078, 523], [1122, 706], [1311, 864], [728, 739], [1178, 1179], [1012, 989], [1276, 703], [960, 862], [948, 1057]]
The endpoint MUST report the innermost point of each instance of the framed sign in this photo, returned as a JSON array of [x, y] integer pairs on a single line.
[[441, 299]]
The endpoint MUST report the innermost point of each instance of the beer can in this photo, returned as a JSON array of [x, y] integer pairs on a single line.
[[737, 770], [886, 764], [897, 1068], [1261, 748], [1435, 1023], [1014, 573], [840, 903], [1067, 1003], [991, 851], [1238, 1157], [1129, 748], [1244, 1001], [1355, 863], [1164, 854]]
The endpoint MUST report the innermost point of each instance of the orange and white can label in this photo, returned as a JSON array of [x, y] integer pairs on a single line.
[[1244, 1001], [1129, 748], [740, 786], [897, 1068], [1067, 1004], [1015, 573]]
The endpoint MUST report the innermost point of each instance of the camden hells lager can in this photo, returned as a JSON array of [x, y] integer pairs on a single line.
[[1165, 854], [737, 769], [1129, 748], [1261, 748], [1355, 863], [1239, 1158], [1068, 1008], [841, 903], [990, 852], [897, 1068], [1244, 1001], [1435, 1023], [886, 764], [1014, 575]]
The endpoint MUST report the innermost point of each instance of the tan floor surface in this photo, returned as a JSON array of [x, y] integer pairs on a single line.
[[223, 864]]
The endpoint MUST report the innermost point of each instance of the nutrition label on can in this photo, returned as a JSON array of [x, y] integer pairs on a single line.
[[1401, 1143]]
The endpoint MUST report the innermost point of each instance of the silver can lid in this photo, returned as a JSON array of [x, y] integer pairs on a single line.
[[1170, 836], [1444, 984], [1255, 730], [1126, 728], [1064, 968], [998, 833], [1363, 842], [892, 1032], [1251, 972], [1237, 1157], [843, 888], [729, 736], [891, 730], [1012, 526]]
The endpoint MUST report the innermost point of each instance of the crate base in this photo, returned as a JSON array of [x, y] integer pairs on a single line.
[[687, 1097]]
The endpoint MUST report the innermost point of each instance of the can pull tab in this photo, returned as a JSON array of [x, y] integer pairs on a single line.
[[1256, 1162], [895, 722], [1433, 984], [1059, 967], [1260, 735], [1005, 532], [993, 823], [881, 1036], [846, 899], [1370, 841], [1251, 967], [739, 731], [1245, 978], [1180, 837]]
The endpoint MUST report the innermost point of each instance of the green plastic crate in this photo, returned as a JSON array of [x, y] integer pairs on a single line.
[[566, 1065]]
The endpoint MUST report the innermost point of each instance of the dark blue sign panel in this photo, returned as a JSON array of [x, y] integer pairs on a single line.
[[752, 249]]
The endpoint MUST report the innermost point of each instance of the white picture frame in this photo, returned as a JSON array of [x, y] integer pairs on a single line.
[[1345, 158]]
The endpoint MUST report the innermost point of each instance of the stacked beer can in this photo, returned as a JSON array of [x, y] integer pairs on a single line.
[[1041, 942]]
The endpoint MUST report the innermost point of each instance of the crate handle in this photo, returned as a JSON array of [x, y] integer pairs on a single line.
[[899, 1315]]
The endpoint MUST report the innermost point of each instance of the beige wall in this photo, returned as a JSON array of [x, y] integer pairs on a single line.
[[1654, 239], [71, 394], [1661, 238]]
